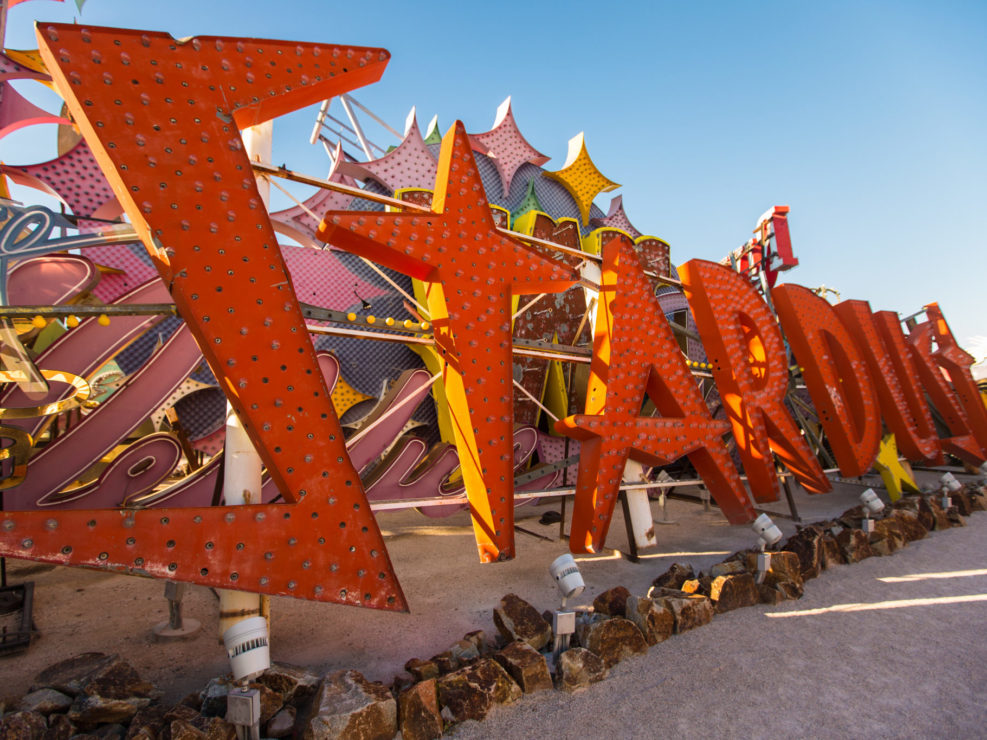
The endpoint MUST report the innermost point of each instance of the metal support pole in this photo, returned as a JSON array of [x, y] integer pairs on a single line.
[[241, 463]]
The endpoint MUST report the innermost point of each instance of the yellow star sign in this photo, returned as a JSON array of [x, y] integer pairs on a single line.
[[896, 475], [581, 178]]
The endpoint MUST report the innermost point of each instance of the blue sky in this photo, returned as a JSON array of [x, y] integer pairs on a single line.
[[869, 119]]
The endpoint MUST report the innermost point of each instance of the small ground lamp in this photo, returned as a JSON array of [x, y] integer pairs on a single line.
[[872, 505], [768, 534], [951, 485], [248, 648], [570, 583]]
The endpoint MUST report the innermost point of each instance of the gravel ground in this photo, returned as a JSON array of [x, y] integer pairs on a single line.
[[905, 660]]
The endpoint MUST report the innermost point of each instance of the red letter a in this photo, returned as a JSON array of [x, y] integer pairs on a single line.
[[744, 347]]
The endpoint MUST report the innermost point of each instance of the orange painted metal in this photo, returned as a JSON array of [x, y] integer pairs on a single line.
[[163, 117], [906, 413], [835, 374], [635, 354], [956, 363], [473, 271], [950, 393], [747, 356]]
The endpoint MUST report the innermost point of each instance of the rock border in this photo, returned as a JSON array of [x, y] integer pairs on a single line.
[[97, 695]]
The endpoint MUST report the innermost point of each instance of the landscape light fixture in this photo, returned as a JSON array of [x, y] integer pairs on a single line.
[[951, 485], [768, 534], [767, 531], [570, 583], [247, 647], [872, 505]]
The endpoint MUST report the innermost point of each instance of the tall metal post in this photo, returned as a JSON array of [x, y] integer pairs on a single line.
[[241, 463]]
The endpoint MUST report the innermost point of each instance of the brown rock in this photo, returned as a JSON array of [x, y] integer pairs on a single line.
[[855, 545], [294, 684], [181, 729], [445, 662], [526, 666], [418, 709], [830, 551], [45, 702], [578, 668], [779, 592], [22, 726], [851, 517], [920, 507], [674, 577], [612, 601], [941, 519], [479, 638], [733, 591], [192, 700], [215, 728], [212, 699], [90, 709], [961, 500], [199, 728], [954, 516], [727, 568], [471, 692], [148, 723], [807, 545], [110, 732], [785, 567], [516, 619], [654, 619], [270, 701], [612, 639], [690, 612], [60, 727], [978, 501], [401, 682], [909, 524], [422, 670], [69, 676], [696, 585], [464, 651], [348, 706], [282, 724], [886, 537], [180, 711], [118, 680]]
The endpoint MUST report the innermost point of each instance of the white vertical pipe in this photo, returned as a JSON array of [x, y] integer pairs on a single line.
[[639, 506], [241, 463]]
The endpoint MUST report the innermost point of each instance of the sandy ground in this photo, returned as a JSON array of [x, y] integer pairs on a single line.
[[908, 663]]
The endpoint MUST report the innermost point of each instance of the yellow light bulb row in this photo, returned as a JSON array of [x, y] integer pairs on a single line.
[[699, 365], [389, 321], [40, 322]]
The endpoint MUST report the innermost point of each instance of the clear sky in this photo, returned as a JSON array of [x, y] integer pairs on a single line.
[[869, 119]]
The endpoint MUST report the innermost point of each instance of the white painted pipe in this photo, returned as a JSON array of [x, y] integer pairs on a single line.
[[241, 463], [639, 506]]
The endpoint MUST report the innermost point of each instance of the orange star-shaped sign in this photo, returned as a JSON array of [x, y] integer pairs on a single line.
[[635, 354], [474, 270]]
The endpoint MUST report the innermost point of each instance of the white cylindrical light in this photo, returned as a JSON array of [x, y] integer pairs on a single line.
[[766, 530], [567, 576], [871, 502], [247, 647], [949, 481]]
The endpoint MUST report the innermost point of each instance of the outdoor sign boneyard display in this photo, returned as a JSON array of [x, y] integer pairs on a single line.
[[163, 118]]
